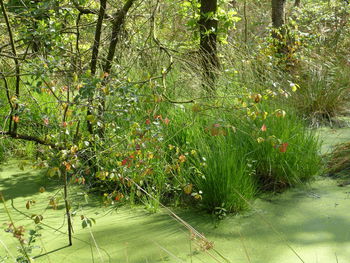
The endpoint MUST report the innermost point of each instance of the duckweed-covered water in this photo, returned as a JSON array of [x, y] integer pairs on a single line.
[[309, 224]]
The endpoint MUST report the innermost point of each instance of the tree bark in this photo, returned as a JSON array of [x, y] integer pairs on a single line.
[[118, 22], [297, 3], [95, 51], [279, 31], [66, 204], [97, 39], [208, 26], [278, 11]]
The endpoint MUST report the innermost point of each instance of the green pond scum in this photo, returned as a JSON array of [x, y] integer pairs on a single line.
[[304, 224]]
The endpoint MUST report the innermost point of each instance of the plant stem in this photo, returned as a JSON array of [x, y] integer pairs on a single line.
[[14, 227], [15, 59], [67, 209]]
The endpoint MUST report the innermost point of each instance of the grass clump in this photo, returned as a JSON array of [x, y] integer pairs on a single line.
[[324, 91], [226, 170], [339, 159], [240, 156], [286, 152]]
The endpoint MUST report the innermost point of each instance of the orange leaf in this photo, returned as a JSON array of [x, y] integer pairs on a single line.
[[166, 121], [15, 119], [283, 147], [182, 158]]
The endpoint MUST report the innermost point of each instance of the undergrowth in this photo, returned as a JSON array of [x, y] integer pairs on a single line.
[[239, 157]]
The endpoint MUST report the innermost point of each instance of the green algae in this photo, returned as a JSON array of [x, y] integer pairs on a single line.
[[331, 137], [307, 223]]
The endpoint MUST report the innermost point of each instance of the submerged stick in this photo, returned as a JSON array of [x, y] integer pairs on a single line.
[[67, 209]]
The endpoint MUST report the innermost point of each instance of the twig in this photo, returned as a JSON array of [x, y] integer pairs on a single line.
[[15, 58], [24, 251]]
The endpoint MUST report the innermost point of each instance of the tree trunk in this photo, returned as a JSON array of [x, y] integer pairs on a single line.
[[297, 3], [208, 45], [66, 204], [278, 11], [118, 22], [279, 32], [117, 25], [97, 38], [95, 50]]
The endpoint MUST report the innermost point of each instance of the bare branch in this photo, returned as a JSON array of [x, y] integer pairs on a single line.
[[15, 58], [88, 11]]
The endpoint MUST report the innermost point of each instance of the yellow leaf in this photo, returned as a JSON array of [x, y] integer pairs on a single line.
[[188, 189]]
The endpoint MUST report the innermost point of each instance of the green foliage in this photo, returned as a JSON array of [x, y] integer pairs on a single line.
[[225, 15], [286, 153], [324, 90], [239, 155], [145, 145]]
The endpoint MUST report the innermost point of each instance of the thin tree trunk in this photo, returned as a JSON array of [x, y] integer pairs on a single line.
[[17, 65], [208, 25], [118, 22], [95, 51], [117, 25], [297, 3], [97, 39], [245, 22], [67, 208]]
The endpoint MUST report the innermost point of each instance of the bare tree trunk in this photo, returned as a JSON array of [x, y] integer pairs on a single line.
[[297, 3], [118, 22], [208, 42], [279, 32], [66, 203], [278, 11], [245, 22], [95, 51], [97, 39]]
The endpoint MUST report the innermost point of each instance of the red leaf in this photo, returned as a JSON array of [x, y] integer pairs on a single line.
[[283, 147], [15, 119], [166, 121], [46, 121]]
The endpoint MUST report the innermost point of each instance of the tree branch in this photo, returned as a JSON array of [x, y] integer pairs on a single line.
[[30, 138], [88, 11], [15, 58]]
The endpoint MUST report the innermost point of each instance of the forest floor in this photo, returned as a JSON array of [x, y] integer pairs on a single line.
[[312, 220]]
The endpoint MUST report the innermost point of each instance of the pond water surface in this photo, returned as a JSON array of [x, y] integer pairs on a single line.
[[307, 224]]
